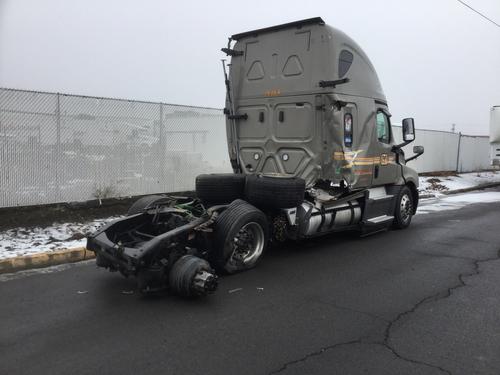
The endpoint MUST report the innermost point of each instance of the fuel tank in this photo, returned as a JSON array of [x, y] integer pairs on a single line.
[[313, 220]]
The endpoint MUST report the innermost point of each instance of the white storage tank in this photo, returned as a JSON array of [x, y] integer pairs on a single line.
[[495, 135]]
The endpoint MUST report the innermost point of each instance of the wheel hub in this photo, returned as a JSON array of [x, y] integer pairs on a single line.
[[405, 207], [248, 244]]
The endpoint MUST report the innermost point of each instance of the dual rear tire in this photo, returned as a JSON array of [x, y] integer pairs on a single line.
[[242, 230]]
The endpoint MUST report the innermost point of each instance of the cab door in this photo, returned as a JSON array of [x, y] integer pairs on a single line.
[[385, 168]]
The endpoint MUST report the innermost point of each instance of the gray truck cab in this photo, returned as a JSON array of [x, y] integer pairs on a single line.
[[308, 103], [305, 101]]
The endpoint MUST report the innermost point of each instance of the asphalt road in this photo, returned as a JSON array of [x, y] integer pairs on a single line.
[[425, 300]]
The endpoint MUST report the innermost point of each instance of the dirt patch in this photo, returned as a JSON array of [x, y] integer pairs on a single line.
[[435, 185], [433, 180], [46, 215], [453, 173], [440, 174]]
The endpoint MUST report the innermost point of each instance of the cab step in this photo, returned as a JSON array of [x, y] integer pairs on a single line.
[[381, 197], [379, 219]]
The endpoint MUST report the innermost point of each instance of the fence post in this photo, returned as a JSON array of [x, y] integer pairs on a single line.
[[458, 151], [57, 161], [161, 151]]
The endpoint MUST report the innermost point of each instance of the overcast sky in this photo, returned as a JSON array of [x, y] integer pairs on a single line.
[[437, 60]]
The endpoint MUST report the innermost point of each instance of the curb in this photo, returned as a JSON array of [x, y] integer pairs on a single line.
[[42, 260], [458, 191], [478, 187]]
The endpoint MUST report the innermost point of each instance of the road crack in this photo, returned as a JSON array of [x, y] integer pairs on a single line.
[[433, 298], [386, 340], [315, 354]]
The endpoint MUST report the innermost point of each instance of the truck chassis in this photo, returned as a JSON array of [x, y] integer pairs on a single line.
[[176, 243]]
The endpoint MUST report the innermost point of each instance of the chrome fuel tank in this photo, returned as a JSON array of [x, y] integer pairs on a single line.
[[314, 220]]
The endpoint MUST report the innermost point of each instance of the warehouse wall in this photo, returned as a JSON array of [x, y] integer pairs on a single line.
[[447, 151]]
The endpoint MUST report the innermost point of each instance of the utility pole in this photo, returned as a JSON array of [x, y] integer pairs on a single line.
[[453, 128]]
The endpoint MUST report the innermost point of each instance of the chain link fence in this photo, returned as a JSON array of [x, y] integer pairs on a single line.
[[61, 148]]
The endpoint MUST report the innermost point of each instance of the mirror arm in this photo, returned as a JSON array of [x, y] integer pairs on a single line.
[[397, 147], [413, 157]]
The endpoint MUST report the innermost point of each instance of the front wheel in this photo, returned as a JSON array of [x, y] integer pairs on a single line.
[[404, 209], [240, 238]]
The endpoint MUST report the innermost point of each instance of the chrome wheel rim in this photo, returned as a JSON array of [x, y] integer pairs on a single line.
[[405, 208], [246, 246]]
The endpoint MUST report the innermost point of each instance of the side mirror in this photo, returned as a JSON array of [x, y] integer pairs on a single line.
[[418, 150], [408, 130]]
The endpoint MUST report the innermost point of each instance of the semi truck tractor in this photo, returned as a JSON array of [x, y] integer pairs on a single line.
[[312, 150]]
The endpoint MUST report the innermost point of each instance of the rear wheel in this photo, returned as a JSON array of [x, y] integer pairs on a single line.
[[240, 238], [404, 209]]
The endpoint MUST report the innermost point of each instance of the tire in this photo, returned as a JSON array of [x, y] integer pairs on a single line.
[[403, 211], [142, 203], [275, 192], [243, 223], [220, 188]]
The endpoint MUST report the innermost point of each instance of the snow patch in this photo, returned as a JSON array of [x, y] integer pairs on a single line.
[[455, 202], [23, 241], [437, 184]]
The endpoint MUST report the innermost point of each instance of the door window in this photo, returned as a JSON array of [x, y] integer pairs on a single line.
[[383, 127]]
